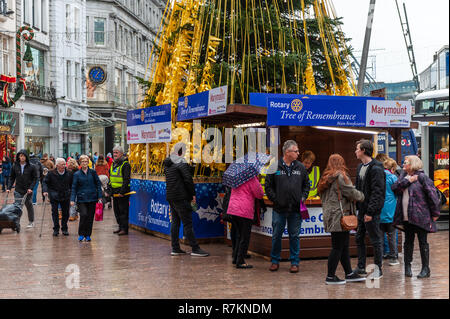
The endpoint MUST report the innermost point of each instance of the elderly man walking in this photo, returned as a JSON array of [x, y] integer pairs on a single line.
[[286, 188], [57, 186], [119, 186]]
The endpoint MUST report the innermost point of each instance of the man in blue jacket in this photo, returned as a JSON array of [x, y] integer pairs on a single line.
[[286, 189]]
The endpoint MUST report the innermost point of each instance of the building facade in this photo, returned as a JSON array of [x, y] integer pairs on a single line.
[[68, 63], [436, 76], [119, 43]]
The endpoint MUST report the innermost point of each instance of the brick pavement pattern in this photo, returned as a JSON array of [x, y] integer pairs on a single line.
[[140, 266]]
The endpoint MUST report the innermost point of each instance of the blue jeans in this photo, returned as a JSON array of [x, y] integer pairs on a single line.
[[35, 189], [294, 222]]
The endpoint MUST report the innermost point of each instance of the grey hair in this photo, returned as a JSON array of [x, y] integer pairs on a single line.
[[118, 148], [288, 144], [60, 160]]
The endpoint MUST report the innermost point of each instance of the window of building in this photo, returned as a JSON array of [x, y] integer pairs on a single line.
[[119, 42], [99, 31], [36, 9], [44, 15], [88, 37], [116, 36], [77, 81], [127, 89], [35, 74], [68, 79], [26, 5], [68, 22], [118, 85], [4, 55], [76, 24]]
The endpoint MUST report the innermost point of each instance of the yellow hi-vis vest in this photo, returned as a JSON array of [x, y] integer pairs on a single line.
[[314, 177], [115, 176]]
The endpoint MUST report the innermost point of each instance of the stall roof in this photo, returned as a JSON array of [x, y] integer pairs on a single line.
[[236, 114]]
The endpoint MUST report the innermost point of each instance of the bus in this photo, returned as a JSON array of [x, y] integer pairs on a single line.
[[430, 102]]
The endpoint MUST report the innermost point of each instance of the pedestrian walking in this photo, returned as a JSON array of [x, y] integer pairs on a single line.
[[388, 211], [119, 186], [57, 186], [180, 193], [34, 160], [86, 191], [286, 188], [371, 180], [416, 212], [242, 209], [24, 175], [109, 159], [338, 195], [72, 166], [102, 167], [6, 172]]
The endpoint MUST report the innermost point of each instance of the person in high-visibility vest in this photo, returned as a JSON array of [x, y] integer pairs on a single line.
[[308, 158], [119, 185]]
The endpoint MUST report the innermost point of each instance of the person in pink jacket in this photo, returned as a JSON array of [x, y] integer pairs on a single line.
[[242, 207]]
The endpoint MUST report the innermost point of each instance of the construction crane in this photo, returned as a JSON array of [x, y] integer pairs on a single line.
[[409, 46]]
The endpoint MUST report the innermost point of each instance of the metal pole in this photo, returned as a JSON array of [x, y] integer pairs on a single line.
[[365, 53]]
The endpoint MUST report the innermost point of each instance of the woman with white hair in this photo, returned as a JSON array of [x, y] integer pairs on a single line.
[[57, 184], [416, 212]]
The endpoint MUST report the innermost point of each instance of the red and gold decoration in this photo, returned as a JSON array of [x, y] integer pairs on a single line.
[[5, 80]]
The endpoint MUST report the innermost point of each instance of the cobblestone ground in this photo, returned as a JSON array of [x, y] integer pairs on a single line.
[[140, 266]]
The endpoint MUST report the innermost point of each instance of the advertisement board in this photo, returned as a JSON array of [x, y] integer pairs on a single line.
[[203, 104], [388, 113], [149, 208], [149, 125]]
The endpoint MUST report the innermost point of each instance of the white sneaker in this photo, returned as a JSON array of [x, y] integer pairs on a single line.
[[30, 225]]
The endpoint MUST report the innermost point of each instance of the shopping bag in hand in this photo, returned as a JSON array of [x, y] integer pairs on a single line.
[[304, 211], [99, 212]]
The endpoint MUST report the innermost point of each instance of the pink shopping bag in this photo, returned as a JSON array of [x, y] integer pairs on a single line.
[[99, 212], [304, 211]]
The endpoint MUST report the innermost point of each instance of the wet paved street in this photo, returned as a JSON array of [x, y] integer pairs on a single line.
[[140, 266]]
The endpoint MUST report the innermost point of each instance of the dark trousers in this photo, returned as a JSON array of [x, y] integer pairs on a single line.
[[65, 205], [28, 204], [410, 234], [182, 212], [339, 252], [87, 212], [5, 182], [375, 236], [121, 211], [389, 230], [243, 232]]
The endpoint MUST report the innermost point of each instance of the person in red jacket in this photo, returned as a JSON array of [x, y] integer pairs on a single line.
[[102, 166]]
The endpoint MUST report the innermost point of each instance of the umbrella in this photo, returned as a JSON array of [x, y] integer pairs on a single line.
[[245, 168]]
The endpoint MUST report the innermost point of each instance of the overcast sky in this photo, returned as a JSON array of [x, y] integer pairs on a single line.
[[428, 24]]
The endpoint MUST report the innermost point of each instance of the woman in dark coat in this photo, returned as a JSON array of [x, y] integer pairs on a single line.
[[87, 191], [416, 212], [336, 175]]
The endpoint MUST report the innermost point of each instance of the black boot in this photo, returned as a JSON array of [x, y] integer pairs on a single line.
[[407, 257], [425, 256]]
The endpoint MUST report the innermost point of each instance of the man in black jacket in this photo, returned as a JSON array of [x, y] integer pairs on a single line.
[[58, 184], [286, 188], [25, 176], [180, 192], [371, 180]]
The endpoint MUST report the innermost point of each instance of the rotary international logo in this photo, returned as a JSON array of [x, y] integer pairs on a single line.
[[296, 105], [142, 115], [185, 102]]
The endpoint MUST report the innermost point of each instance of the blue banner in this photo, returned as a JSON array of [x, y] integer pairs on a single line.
[[149, 115], [149, 208], [260, 99], [329, 111], [193, 106]]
